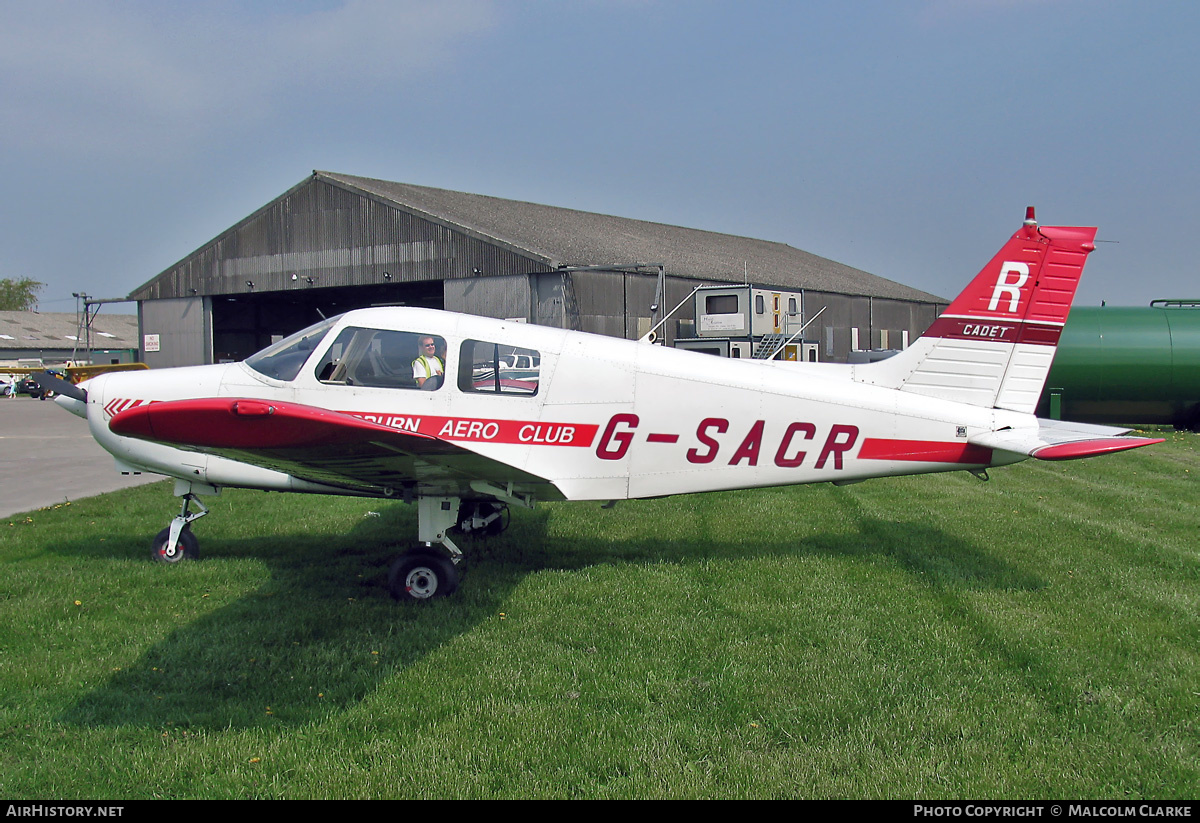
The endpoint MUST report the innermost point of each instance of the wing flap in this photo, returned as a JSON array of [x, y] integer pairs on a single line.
[[312, 444], [1060, 440]]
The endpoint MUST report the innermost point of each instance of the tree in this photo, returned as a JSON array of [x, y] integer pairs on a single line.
[[19, 295]]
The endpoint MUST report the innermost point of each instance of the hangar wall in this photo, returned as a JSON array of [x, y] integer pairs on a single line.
[[321, 236], [895, 318], [183, 329], [617, 303], [856, 322], [505, 297], [334, 243]]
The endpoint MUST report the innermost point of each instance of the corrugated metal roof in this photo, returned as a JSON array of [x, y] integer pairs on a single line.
[[577, 238], [554, 236], [58, 330]]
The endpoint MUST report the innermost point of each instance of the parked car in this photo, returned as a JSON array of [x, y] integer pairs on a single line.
[[30, 387]]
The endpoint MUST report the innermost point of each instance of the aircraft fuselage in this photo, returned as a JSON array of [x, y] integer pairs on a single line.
[[600, 419]]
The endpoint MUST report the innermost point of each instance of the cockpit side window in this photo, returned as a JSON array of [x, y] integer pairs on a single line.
[[283, 360], [384, 358]]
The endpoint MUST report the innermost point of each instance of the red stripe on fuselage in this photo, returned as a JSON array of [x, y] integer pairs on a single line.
[[484, 430], [924, 451], [248, 423]]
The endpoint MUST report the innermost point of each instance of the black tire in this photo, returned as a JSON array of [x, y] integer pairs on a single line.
[[422, 574], [188, 547]]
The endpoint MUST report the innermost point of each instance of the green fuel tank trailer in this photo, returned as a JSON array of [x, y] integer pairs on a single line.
[[1128, 365]]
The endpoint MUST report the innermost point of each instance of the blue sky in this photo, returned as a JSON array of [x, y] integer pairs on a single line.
[[904, 138]]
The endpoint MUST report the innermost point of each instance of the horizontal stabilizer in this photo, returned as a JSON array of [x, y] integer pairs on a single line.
[[1059, 440]]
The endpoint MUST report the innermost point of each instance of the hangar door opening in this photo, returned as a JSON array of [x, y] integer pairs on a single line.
[[245, 323]]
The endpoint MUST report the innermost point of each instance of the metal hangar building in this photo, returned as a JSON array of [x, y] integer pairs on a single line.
[[336, 242]]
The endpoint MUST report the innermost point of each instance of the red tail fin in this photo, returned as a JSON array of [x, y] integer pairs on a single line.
[[1024, 294], [993, 346]]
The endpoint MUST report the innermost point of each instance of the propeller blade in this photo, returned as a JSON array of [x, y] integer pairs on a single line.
[[48, 382]]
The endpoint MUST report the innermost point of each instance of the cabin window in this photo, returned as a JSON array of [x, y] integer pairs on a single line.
[[383, 358], [284, 359], [721, 304], [498, 369]]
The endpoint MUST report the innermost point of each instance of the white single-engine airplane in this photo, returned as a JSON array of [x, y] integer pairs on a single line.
[[523, 412]]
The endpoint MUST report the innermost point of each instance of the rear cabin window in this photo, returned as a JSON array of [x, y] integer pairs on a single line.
[[384, 359], [495, 368]]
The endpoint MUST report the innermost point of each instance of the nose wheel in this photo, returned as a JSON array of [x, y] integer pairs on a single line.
[[187, 547], [176, 542]]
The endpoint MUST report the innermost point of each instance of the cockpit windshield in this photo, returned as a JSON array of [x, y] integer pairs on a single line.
[[282, 360]]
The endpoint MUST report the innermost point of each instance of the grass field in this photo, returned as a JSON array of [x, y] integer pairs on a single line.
[[1036, 636]]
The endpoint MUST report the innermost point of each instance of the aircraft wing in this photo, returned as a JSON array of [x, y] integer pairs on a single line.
[[318, 445], [1060, 440]]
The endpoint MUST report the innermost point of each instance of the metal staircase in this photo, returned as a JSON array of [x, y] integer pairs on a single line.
[[766, 348]]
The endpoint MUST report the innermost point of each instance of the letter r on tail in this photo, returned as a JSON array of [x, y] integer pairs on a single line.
[[1011, 289]]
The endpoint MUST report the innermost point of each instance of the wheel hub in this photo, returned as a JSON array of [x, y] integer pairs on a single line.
[[421, 583]]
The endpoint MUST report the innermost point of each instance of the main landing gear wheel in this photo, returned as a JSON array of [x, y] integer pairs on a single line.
[[422, 574], [188, 547]]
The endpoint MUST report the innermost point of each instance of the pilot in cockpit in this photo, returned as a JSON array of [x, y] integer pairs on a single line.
[[428, 366]]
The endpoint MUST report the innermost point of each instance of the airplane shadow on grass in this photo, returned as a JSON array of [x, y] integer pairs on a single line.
[[323, 633]]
